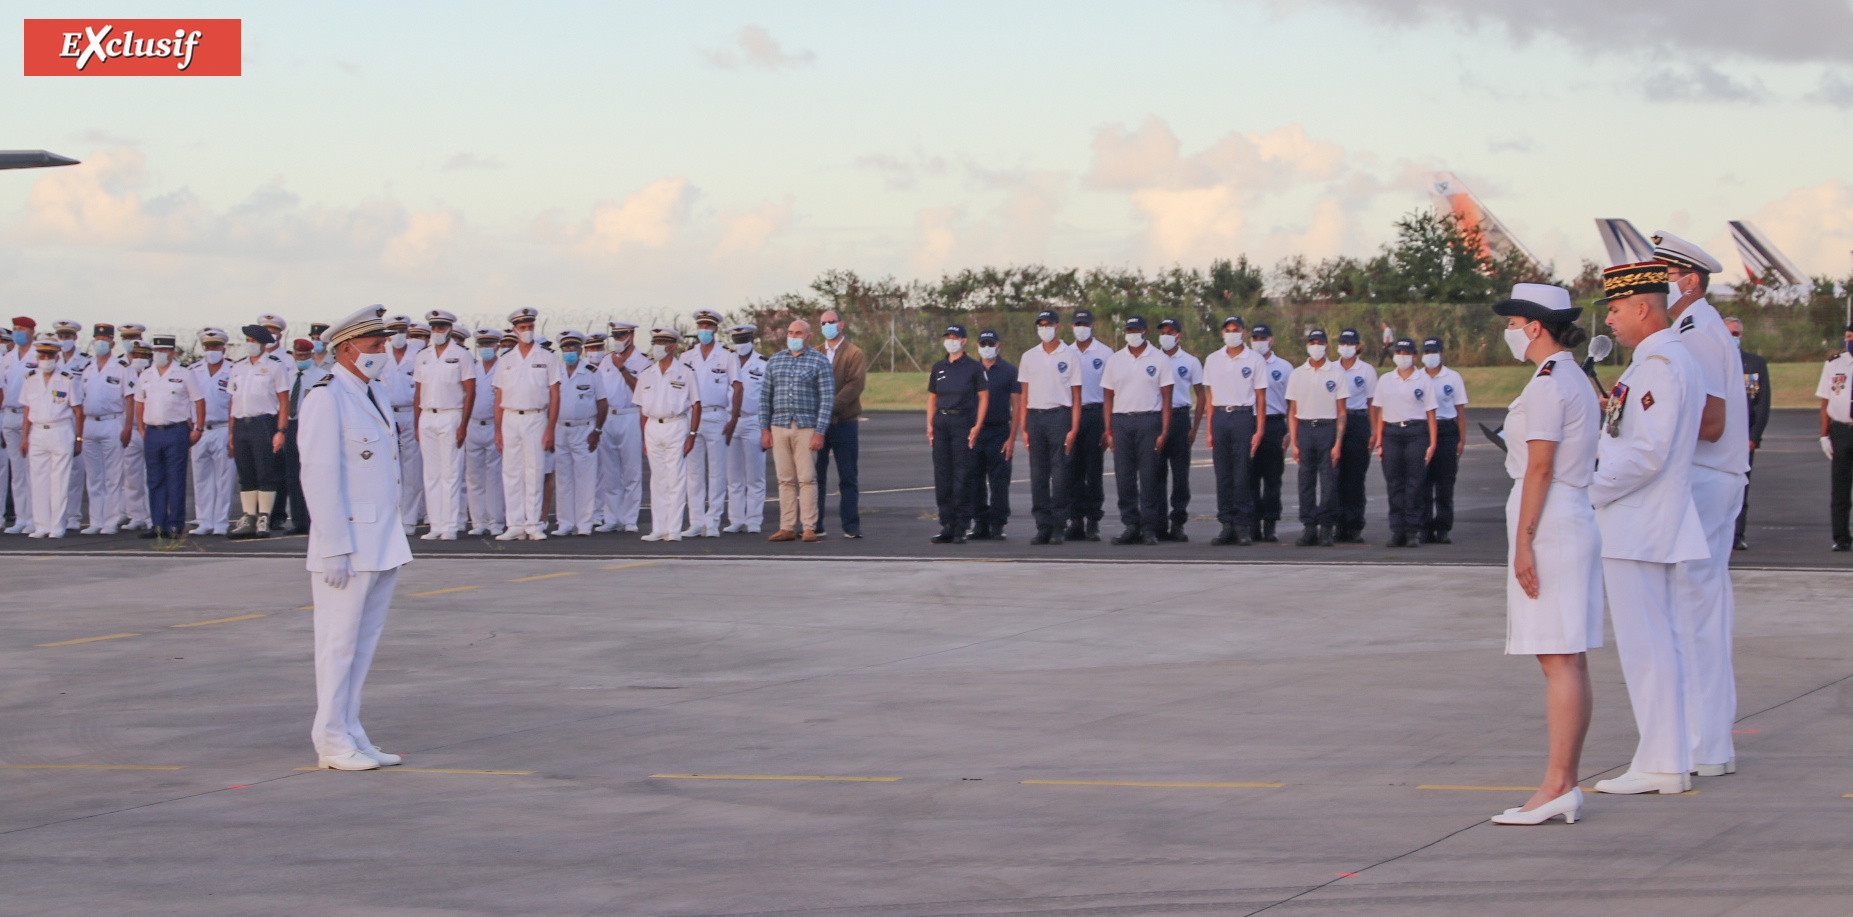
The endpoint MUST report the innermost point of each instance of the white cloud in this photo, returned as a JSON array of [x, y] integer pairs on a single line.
[[755, 47], [746, 233], [1812, 225], [651, 217], [1700, 82]]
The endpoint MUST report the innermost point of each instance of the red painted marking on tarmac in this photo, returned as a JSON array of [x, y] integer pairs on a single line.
[[238, 787], [1745, 731], [1346, 874]]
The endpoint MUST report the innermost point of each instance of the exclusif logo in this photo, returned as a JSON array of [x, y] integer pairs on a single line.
[[133, 47]]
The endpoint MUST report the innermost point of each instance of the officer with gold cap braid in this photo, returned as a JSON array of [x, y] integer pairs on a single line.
[[669, 406], [444, 392], [107, 390], [527, 405], [482, 462], [13, 368], [214, 478], [53, 434], [134, 472]]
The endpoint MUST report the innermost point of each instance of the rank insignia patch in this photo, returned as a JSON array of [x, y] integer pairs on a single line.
[[1647, 400]]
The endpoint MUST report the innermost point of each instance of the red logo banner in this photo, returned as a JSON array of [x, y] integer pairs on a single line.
[[133, 47]]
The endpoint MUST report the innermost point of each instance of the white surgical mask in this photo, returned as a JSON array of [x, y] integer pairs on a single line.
[[1404, 360], [1232, 338], [525, 337], [398, 341], [744, 348], [162, 358], [954, 345], [1315, 351], [1347, 351], [100, 348], [1518, 343], [987, 352], [1167, 341], [1082, 333], [67, 346], [214, 357], [1135, 338], [139, 364], [1046, 333], [46, 365], [372, 365], [658, 352], [1431, 360], [413, 346], [1262, 347]]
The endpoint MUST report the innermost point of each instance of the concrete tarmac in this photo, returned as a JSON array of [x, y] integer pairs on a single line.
[[598, 737]]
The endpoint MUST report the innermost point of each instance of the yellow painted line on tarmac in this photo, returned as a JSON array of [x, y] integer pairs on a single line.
[[88, 640], [94, 767], [641, 563], [529, 579], [413, 595], [772, 777], [220, 621], [306, 608], [1148, 783], [435, 770]]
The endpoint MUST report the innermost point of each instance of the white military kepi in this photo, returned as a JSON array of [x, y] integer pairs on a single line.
[[623, 326], [670, 335], [367, 322], [441, 315], [523, 314], [1680, 253], [743, 329], [708, 315]]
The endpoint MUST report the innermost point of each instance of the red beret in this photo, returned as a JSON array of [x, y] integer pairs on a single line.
[[24, 322]]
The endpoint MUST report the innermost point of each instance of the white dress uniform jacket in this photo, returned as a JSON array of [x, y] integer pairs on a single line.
[[215, 477], [350, 475], [746, 460], [107, 390], [1642, 490], [620, 444]]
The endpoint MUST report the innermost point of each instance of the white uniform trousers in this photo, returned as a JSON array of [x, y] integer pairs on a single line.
[[134, 480], [706, 471], [662, 443], [49, 461], [348, 623], [524, 468], [746, 474], [1707, 610], [411, 468], [482, 473], [103, 468], [1652, 661], [19, 474], [441, 460], [74, 495], [620, 469], [575, 475], [215, 478]]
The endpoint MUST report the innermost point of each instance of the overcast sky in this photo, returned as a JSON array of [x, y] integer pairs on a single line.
[[635, 159]]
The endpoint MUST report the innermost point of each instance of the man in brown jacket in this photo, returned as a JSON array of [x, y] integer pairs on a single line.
[[851, 368]]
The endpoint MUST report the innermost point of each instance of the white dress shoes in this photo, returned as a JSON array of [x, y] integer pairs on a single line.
[[351, 761], [41, 533], [90, 530], [108, 530], [1635, 782], [379, 757], [537, 535], [753, 529], [478, 530], [735, 529], [631, 528], [691, 532], [655, 536], [19, 529], [607, 527], [430, 536], [511, 535], [712, 531], [1715, 770], [1569, 805]]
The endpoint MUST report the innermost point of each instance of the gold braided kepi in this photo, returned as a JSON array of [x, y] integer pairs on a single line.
[[1624, 280], [368, 322]]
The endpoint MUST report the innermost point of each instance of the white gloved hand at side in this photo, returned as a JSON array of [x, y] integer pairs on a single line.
[[337, 571], [1827, 448]]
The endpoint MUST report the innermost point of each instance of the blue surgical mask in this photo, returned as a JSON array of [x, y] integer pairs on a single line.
[[705, 335], [1850, 347], [320, 347], [485, 353], [794, 344], [830, 331], [571, 358], [304, 364], [21, 338]]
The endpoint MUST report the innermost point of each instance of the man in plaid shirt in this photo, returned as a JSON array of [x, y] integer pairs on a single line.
[[794, 413]]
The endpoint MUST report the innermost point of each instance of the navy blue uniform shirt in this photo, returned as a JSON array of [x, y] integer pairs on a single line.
[[957, 383], [1001, 379]]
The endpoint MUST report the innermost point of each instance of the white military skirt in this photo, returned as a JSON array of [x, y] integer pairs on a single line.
[[1566, 617]]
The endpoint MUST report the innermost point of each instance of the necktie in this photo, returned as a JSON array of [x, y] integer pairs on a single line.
[[295, 393]]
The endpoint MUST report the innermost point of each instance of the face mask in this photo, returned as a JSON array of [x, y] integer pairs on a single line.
[[1347, 351], [1135, 339], [161, 359], [1850, 347], [1262, 347], [372, 365], [505, 351], [830, 331], [139, 364], [658, 352], [1737, 342], [304, 364], [705, 336], [20, 338], [46, 365], [954, 345], [1046, 333], [398, 341], [1315, 351], [1232, 338], [1431, 360], [100, 348], [744, 348], [794, 344], [1404, 360], [413, 346], [319, 347], [485, 353], [271, 346], [1167, 341], [986, 352], [1083, 333], [619, 345], [215, 357], [525, 337], [69, 346], [572, 359], [1518, 343]]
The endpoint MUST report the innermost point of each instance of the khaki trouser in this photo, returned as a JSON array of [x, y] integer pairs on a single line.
[[797, 471]]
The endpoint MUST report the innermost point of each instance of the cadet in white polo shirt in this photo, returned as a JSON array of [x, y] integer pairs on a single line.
[[670, 418], [746, 458], [1315, 423], [108, 388], [1404, 437], [1137, 384], [575, 438], [444, 376], [260, 390], [52, 434], [620, 448], [1238, 388], [215, 479], [527, 405], [1187, 410], [1437, 496], [1087, 464], [1049, 420], [717, 381]]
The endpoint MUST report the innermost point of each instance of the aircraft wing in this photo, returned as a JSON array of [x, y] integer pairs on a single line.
[[32, 159]]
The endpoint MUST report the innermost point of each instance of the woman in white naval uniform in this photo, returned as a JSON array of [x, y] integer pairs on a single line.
[[1553, 548], [351, 480]]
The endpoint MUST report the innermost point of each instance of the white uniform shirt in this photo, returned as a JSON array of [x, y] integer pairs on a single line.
[[580, 392], [107, 387], [398, 377], [1234, 380], [618, 394], [666, 392], [350, 475], [253, 387], [440, 376], [484, 408], [527, 380], [1315, 391], [1557, 405], [1277, 372], [1050, 376], [1136, 381], [752, 376], [1402, 399], [216, 388], [1836, 386], [50, 398], [167, 396], [1450, 392], [1186, 372], [1093, 369], [1359, 384], [714, 375], [1642, 488], [1721, 365], [13, 369]]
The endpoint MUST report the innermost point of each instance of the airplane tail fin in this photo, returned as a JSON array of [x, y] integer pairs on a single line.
[[1761, 257], [1466, 206], [1624, 243]]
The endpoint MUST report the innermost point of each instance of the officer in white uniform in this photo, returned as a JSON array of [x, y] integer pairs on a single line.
[[575, 438], [19, 361], [74, 360], [404, 391], [214, 478], [593, 356], [527, 405], [53, 433], [170, 415], [716, 369], [351, 478], [482, 462], [1835, 389], [444, 393], [620, 449], [134, 472], [670, 416], [746, 458], [108, 389], [1704, 599], [260, 390], [1642, 492]]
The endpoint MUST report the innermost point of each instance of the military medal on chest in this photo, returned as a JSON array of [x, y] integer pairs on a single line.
[[1618, 404]]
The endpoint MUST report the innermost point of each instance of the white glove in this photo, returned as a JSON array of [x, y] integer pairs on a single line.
[[1827, 448], [337, 571]]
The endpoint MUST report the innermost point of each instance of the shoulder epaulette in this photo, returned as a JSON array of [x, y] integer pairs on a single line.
[[1659, 356], [1548, 366], [322, 381], [1687, 324]]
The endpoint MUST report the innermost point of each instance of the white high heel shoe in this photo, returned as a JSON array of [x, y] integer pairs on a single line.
[[1569, 805]]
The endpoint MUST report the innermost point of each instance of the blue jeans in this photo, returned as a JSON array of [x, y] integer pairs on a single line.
[[841, 439], [164, 452]]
